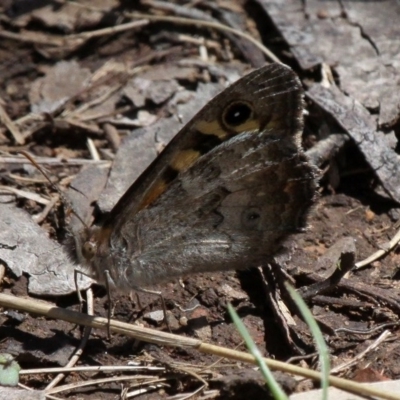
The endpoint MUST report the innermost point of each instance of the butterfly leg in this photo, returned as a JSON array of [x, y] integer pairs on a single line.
[[108, 279], [78, 291], [80, 298], [159, 294]]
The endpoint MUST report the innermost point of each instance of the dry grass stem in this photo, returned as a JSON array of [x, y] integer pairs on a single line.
[[169, 339]]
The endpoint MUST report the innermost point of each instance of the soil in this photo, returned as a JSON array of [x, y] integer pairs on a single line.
[[349, 204]]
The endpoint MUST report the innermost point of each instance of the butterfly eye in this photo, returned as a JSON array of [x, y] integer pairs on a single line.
[[89, 250], [237, 113]]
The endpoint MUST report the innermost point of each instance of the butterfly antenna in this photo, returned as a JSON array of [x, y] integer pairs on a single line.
[[65, 201]]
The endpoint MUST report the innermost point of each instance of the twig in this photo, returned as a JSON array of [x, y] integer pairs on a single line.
[[31, 38], [199, 41], [30, 117], [367, 331], [39, 218], [84, 36], [207, 24], [91, 382], [92, 149], [5, 119], [97, 81], [53, 161], [253, 55], [141, 389], [27, 195], [26, 179], [104, 369], [102, 117], [378, 254], [98, 100], [169, 339], [78, 38], [361, 355]]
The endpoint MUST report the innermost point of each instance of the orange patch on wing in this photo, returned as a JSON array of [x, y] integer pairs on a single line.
[[156, 191], [248, 126], [211, 128], [214, 128], [184, 159], [275, 124]]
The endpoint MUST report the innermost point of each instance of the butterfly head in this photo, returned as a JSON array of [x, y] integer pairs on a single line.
[[89, 249], [86, 246]]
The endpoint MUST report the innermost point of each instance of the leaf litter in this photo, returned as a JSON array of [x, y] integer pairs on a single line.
[[86, 79]]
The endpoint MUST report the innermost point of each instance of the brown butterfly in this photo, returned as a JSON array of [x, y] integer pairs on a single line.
[[223, 195]]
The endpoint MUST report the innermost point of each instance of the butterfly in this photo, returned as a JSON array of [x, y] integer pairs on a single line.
[[224, 194]]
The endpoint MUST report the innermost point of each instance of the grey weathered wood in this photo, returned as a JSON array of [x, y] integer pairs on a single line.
[[359, 39], [361, 127], [25, 248]]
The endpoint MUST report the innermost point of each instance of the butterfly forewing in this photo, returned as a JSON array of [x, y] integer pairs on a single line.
[[274, 95]]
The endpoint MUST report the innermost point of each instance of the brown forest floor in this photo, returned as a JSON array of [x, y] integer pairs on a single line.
[[166, 57]]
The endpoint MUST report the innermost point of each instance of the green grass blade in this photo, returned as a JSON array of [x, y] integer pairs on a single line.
[[322, 348], [273, 385]]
